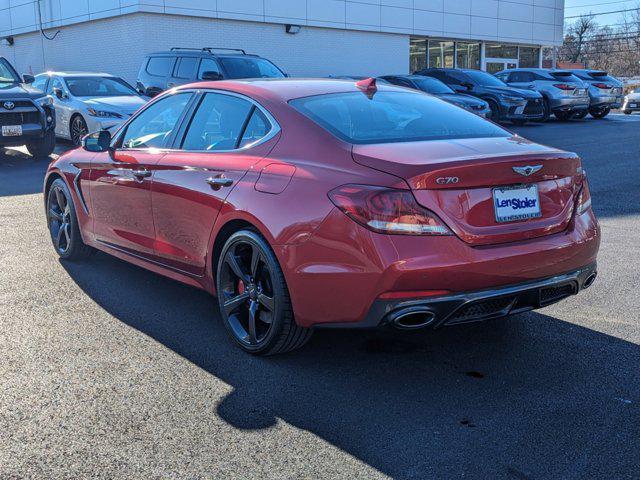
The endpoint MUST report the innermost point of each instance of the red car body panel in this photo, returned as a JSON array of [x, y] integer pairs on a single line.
[[335, 269]]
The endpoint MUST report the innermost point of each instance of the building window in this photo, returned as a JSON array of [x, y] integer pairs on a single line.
[[418, 54], [441, 54], [529, 57], [493, 50], [468, 55]]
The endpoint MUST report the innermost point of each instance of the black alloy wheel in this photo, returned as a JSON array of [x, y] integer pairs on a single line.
[[63, 223], [253, 297], [78, 129], [581, 114], [600, 112]]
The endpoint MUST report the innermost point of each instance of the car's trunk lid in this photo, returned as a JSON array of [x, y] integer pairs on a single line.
[[456, 180]]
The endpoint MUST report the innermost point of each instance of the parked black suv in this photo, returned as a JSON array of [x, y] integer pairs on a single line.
[[163, 70], [506, 103], [26, 114]]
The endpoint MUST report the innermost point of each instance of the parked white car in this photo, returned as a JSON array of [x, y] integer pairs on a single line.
[[632, 102], [88, 102]]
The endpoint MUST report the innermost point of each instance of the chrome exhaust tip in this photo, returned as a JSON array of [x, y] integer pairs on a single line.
[[589, 281], [412, 318]]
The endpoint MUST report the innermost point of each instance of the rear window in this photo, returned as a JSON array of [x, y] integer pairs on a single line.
[[393, 117], [250, 67], [603, 77], [160, 66], [566, 77]]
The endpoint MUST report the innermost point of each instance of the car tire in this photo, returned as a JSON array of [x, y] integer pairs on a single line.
[[581, 114], [77, 129], [546, 109], [600, 113], [253, 297], [563, 116], [44, 147], [62, 222], [627, 112], [495, 110]]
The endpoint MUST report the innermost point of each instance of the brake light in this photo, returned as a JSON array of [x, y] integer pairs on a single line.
[[603, 86], [564, 86], [584, 199], [387, 210]]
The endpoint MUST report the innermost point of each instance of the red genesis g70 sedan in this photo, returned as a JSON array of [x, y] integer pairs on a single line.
[[329, 203]]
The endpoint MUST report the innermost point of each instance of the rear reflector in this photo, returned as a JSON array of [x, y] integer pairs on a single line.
[[564, 86]]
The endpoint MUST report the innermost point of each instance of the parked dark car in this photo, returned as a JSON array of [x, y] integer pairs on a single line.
[[26, 113], [435, 87], [565, 95], [161, 71], [605, 91], [506, 103]]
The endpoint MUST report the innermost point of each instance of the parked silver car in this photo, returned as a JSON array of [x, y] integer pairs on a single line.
[[88, 102], [605, 91], [565, 95], [631, 102]]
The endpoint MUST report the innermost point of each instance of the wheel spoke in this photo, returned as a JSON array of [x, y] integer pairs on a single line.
[[67, 233], [253, 312], [266, 302], [233, 303], [231, 260], [59, 237], [60, 199], [255, 261], [55, 215]]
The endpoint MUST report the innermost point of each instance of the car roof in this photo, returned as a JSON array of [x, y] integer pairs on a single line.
[[285, 89], [75, 74], [178, 52]]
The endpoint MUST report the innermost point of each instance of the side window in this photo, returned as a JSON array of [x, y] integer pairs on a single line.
[[208, 65], [505, 77], [160, 66], [520, 77], [438, 75], [456, 78], [153, 126], [40, 82], [186, 67], [218, 123], [55, 82], [256, 129]]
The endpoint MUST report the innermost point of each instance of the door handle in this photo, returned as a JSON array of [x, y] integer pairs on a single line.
[[140, 174], [218, 182]]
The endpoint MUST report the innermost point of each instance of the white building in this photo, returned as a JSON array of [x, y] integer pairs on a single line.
[[340, 37]]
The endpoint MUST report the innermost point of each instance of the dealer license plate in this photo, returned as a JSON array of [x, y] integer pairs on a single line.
[[516, 203], [11, 130]]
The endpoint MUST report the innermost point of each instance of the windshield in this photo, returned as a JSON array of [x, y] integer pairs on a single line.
[[250, 67], [393, 117], [485, 79], [432, 85], [99, 87], [7, 75]]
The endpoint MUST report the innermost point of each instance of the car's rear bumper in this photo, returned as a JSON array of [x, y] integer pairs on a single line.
[[605, 101], [569, 104]]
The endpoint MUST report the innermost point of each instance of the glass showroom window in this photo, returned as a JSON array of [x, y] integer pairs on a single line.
[[493, 50], [468, 55], [529, 57], [441, 54], [417, 54]]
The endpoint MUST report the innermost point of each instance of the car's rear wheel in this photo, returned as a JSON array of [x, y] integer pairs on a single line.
[[78, 129], [600, 113], [254, 299], [44, 147], [63, 223], [563, 116]]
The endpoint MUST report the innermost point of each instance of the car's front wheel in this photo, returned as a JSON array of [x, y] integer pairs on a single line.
[[63, 223], [254, 299], [43, 148], [78, 129]]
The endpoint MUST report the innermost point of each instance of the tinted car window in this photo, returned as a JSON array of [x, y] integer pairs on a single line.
[[257, 128], [217, 124], [393, 117], [160, 66], [153, 125], [456, 78], [40, 82], [250, 67], [485, 79], [187, 67], [521, 77], [566, 77], [55, 83], [7, 75], [432, 85], [99, 87], [208, 65]]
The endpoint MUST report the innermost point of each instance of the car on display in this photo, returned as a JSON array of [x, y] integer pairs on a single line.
[[26, 114], [87, 102], [631, 102], [516, 105], [329, 203], [565, 95], [164, 70], [437, 88], [605, 91]]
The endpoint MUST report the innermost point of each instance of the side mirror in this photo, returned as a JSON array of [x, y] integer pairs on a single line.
[[213, 76], [26, 78], [97, 141], [58, 93]]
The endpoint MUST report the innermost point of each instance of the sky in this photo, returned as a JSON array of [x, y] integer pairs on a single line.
[[585, 7]]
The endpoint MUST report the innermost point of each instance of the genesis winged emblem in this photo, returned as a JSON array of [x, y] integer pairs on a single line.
[[528, 170]]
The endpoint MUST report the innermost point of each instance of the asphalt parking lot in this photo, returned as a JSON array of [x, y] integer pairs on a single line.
[[109, 371]]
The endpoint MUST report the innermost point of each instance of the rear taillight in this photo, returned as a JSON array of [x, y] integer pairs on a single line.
[[602, 86], [387, 210], [564, 86], [584, 199]]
